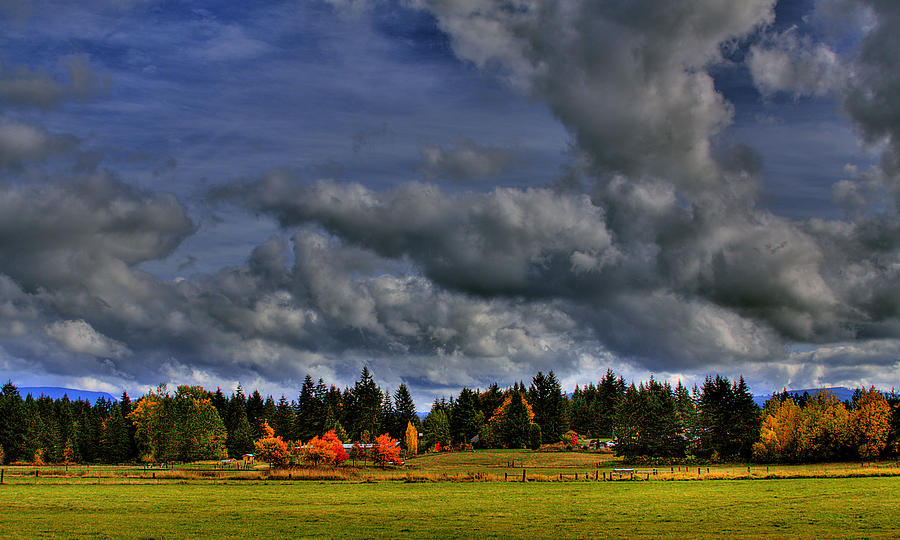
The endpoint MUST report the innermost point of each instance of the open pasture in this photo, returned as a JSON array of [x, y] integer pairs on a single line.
[[839, 507], [481, 465]]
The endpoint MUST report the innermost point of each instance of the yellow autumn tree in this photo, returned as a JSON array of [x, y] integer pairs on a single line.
[[778, 435], [824, 430], [412, 439], [870, 423]]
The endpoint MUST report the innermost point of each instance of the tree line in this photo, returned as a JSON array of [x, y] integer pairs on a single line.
[[650, 420]]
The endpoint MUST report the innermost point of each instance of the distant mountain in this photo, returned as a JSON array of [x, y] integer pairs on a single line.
[[840, 392], [55, 392]]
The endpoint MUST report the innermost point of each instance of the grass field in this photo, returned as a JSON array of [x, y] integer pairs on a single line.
[[452, 495], [845, 507]]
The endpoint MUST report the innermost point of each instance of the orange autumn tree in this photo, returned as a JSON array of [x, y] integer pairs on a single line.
[[271, 449], [336, 447], [386, 450], [325, 450], [870, 423]]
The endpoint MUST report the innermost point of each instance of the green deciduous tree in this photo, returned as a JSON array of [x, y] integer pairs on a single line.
[[183, 427]]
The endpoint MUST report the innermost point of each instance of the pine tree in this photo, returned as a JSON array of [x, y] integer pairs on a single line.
[[465, 417], [513, 421], [366, 404], [283, 421], [491, 400], [12, 423], [388, 417], [406, 409], [307, 423], [609, 393], [256, 412], [549, 405], [240, 437], [115, 443]]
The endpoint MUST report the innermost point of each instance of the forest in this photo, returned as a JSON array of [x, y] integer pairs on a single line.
[[648, 422]]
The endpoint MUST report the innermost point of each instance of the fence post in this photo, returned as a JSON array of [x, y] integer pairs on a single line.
[[505, 477], [698, 471], [1, 476], [523, 475]]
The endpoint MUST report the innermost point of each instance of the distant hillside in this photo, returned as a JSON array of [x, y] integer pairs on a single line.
[[54, 392], [840, 392]]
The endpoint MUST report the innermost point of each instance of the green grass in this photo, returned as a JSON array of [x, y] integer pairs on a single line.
[[847, 507]]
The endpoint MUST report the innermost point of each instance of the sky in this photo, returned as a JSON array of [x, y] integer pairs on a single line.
[[451, 192]]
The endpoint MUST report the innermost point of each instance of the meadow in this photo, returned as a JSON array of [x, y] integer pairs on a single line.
[[846, 507], [452, 495]]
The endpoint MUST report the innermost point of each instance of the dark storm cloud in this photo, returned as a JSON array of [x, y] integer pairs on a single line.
[[509, 240], [657, 254], [627, 79], [68, 275], [660, 270]]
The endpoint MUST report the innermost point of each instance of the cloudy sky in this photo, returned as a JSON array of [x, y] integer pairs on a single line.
[[454, 192]]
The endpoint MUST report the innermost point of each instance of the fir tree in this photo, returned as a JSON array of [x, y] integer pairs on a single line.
[[406, 409], [366, 404], [465, 417]]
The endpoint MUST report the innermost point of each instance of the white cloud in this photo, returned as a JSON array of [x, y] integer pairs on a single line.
[[795, 64], [80, 337]]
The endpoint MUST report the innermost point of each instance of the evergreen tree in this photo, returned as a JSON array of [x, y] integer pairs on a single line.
[[388, 417], [12, 423], [580, 412], [687, 417], [307, 420], [512, 424], [648, 422], [269, 410], [125, 409], [366, 404], [283, 421], [239, 439], [465, 417], [609, 395], [491, 399], [220, 402], [256, 412], [115, 441], [728, 419], [746, 419], [406, 409], [549, 405]]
